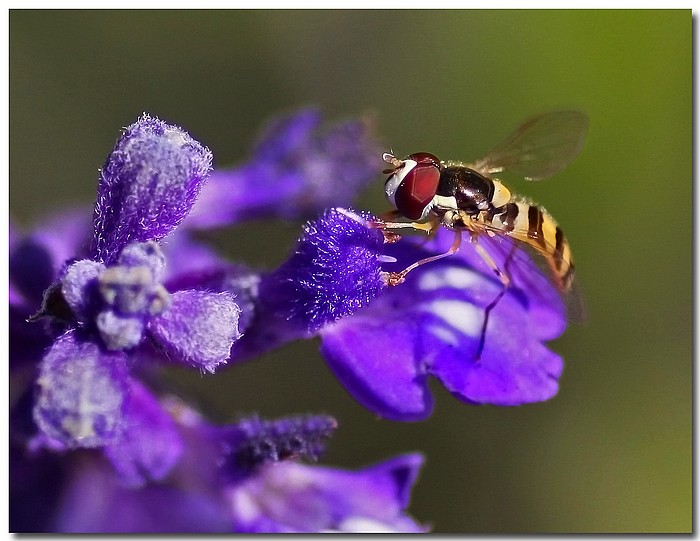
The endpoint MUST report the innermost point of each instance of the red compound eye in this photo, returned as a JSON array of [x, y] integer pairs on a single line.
[[419, 186]]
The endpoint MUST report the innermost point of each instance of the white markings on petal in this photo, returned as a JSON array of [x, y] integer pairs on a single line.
[[455, 277], [461, 316], [444, 334]]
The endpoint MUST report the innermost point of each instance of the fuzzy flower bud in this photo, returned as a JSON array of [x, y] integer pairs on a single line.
[[147, 186], [334, 271]]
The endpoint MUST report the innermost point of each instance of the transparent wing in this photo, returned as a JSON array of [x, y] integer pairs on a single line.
[[528, 272], [540, 147]]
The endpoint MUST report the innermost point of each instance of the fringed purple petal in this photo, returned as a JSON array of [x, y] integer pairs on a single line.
[[334, 271], [147, 186], [80, 392], [254, 441], [198, 329], [150, 445]]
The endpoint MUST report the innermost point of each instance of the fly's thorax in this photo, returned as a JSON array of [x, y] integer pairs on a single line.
[[464, 189]]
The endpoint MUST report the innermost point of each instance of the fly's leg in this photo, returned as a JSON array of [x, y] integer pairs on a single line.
[[396, 278], [387, 226], [430, 227], [505, 280]]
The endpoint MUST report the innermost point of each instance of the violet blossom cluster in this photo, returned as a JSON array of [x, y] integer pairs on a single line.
[[97, 444]]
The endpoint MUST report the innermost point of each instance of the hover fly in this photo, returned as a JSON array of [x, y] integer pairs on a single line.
[[466, 197]]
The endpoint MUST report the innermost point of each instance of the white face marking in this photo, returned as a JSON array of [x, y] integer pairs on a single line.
[[444, 202], [454, 277], [395, 180], [461, 316]]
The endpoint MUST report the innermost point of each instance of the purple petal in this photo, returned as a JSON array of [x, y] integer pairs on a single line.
[[238, 280], [291, 497], [287, 135], [378, 363], [198, 329], [31, 271], [80, 393], [147, 186], [514, 367], [150, 444], [186, 256], [432, 325], [65, 235]]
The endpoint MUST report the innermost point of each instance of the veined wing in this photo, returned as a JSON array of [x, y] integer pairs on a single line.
[[540, 147], [529, 272]]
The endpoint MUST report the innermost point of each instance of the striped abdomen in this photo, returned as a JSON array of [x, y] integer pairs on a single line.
[[536, 227]]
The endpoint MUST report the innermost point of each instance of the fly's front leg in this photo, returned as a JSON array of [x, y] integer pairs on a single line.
[[387, 226], [430, 227], [396, 278]]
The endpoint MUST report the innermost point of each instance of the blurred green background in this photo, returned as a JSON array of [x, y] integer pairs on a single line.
[[612, 452]]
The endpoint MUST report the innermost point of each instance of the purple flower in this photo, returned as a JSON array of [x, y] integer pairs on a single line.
[[297, 170], [334, 270], [105, 308], [92, 314], [431, 325]]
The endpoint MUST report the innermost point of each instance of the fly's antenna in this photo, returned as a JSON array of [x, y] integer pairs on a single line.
[[393, 160], [390, 158]]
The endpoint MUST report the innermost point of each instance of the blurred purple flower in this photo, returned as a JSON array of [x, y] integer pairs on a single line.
[[245, 478], [297, 169], [294, 498]]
